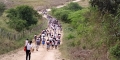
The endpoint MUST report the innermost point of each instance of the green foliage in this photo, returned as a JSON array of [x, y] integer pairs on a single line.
[[70, 36], [73, 6], [115, 50], [104, 6], [62, 14], [24, 14], [17, 24], [53, 10], [77, 18], [2, 8], [94, 30]]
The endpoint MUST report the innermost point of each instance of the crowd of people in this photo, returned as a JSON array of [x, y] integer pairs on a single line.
[[49, 37]]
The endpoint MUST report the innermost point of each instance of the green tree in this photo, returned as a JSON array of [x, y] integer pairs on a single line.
[[17, 24], [104, 6], [22, 17]]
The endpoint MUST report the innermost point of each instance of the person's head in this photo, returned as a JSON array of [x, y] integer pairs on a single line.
[[40, 36], [30, 42], [26, 39]]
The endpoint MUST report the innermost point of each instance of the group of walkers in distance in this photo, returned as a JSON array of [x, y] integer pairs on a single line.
[[49, 37]]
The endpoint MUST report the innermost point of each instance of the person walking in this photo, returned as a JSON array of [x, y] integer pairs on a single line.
[[56, 44], [53, 43], [37, 44], [28, 50], [43, 41], [35, 37], [48, 44]]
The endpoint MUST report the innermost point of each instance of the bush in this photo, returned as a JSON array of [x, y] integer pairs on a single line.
[[77, 17], [115, 51], [73, 6], [24, 14], [70, 36], [62, 14]]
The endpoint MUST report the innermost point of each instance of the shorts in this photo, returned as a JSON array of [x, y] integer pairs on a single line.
[[43, 42], [48, 46], [52, 45], [58, 43], [56, 46]]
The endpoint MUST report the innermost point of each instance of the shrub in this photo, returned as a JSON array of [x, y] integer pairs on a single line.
[[73, 6], [62, 14], [77, 17], [115, 50], [70, 36]]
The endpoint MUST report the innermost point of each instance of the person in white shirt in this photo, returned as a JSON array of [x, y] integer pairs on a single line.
[[28, 50]]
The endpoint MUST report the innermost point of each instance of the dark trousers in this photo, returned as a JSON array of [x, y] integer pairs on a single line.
[[28, 53]]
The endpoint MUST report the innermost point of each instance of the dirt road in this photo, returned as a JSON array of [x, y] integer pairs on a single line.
[[41, 54]]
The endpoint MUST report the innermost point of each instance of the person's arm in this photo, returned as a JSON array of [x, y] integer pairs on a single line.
[[32, 49]]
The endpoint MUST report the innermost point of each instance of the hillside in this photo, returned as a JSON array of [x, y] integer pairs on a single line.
[[90, 32]]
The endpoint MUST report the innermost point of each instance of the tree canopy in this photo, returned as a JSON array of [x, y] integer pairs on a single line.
[[22, 17], [110, 6]]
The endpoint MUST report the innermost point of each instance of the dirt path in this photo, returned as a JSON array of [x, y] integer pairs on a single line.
[[41, 54]]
